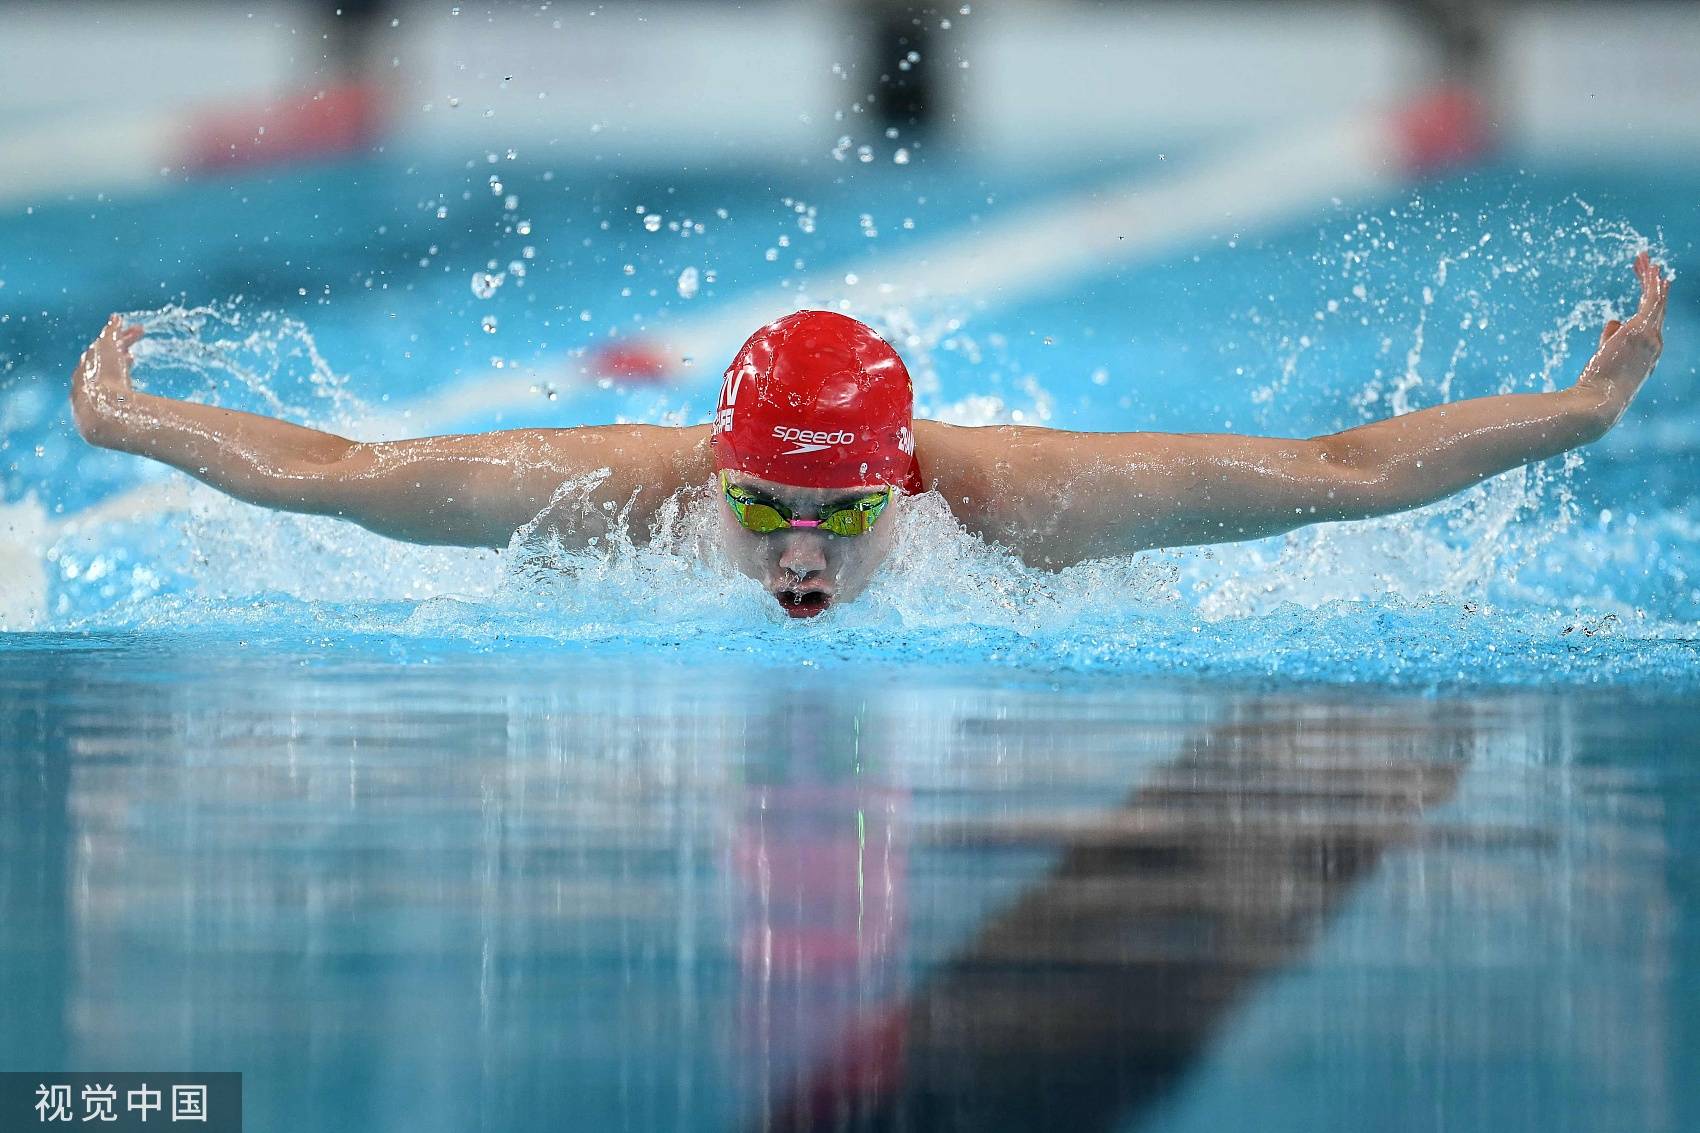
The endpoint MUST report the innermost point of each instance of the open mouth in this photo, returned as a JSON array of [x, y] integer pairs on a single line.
[[804, 605]]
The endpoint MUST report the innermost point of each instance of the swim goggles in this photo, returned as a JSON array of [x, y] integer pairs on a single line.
[[763, 517]]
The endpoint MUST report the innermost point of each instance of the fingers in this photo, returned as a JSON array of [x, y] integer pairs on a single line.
[[1650, 278], [1655, 291], [1612, 327], [1655, 297]]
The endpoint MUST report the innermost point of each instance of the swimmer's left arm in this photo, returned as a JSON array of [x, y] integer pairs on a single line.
[[1059, 497]]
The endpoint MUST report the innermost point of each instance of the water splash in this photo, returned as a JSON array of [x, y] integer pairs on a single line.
[[242, 358], [1351, 605], [1510, 582]]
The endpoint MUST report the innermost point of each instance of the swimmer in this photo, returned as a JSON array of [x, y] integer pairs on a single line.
[[813, 449]]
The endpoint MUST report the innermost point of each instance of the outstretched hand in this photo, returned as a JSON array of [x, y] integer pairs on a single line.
[[1629, 350], [100, 386]]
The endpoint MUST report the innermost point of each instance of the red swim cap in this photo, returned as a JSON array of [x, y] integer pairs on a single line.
[[817, 400]]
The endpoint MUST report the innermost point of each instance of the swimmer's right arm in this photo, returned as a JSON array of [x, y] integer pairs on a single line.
[[472, 490]]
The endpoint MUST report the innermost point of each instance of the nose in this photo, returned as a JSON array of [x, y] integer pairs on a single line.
[[804, 554]]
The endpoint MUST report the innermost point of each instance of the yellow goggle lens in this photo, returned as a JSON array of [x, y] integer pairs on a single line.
[[765, 518], [850, 521], [762, 518]]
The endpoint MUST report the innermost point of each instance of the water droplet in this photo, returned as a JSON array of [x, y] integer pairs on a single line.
[[484, 284], [523, 227], [488, 322], [629, 269], [852, 279], [652, 222], [688, 282], [901, 157], [442, 212], [528, 252], [516, 268]]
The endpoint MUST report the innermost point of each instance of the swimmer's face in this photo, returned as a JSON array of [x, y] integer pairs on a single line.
[[806, 569]]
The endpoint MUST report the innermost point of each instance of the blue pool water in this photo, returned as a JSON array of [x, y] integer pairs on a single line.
[[481, 894], [1376, 825], [1574, 572]]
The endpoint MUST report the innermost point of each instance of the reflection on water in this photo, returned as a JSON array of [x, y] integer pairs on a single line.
[[500, 893]]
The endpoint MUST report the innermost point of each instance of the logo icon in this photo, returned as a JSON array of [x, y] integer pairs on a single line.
[[810, 440]]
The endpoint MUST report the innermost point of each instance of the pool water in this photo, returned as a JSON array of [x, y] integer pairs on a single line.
[[355, 307], [480, 894], [1374, 825]]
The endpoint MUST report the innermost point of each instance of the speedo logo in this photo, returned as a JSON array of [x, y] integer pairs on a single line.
[[810, 440]]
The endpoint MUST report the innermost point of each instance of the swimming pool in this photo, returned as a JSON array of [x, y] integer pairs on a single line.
[[1385, 825]]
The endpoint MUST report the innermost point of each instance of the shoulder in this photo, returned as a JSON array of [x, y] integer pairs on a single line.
[[988, 451], [939, 444], [998, 479], [660, 456], [964, 464]]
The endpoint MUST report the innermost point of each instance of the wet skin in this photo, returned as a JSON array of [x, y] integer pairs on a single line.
[[806, 569]]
